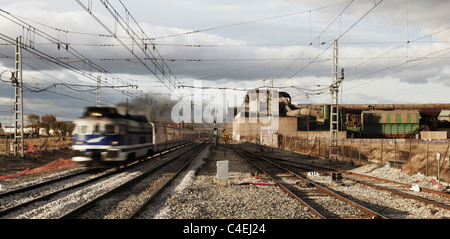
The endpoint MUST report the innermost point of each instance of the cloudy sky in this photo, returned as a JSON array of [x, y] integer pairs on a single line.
[[391, 51]]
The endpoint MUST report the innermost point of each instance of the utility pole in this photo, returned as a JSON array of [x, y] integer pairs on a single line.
[[334, 107], [16, 81], [216, 130], [99, 97]]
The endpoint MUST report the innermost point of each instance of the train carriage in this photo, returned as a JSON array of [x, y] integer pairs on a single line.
[[103, 135]]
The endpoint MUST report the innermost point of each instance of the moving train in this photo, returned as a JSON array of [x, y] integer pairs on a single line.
[[104, 136]]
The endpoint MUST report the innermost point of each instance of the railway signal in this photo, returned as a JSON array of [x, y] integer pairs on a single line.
[[226, 136]]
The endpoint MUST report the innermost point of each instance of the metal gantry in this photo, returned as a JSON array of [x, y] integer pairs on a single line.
[[334, 107], [16, 81], [99, 96]]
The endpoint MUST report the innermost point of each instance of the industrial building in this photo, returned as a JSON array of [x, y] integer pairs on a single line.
[[258, 115]]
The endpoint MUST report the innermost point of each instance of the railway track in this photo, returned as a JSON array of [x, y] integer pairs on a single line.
[[439, 200], [132, 197], [60, 197], [16, 199], [322, 202]]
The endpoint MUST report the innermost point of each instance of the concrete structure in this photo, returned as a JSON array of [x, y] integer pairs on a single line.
[[261, 121], [269, 128], [429, 135], [287, 127]]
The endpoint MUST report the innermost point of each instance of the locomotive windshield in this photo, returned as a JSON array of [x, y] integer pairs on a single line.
[[111, 129], [108, 129], [82, 129]]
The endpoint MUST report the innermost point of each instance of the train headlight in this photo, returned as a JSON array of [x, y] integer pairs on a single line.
[[79, 142], [114, 142]]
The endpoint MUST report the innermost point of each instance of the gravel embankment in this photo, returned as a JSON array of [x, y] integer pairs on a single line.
[[197, 196]]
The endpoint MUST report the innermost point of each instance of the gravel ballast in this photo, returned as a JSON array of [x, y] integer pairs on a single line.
[[196, 194]]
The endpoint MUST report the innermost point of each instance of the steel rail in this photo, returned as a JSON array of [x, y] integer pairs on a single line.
[[401, 194], [46, 196], [181, 169], [355, 204], [36, 185], [279, 184], [85, 206], [385, 188], [331, 193], [8, 210], [394, 182], [370, 177]]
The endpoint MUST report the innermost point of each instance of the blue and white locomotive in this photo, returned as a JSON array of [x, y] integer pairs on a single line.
[[103, 135]]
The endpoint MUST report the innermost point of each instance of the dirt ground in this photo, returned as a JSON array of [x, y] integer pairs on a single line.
[[411, 155], [44, 151], [57, 150]]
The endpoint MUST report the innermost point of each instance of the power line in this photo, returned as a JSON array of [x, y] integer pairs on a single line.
[[195, 45], [139, 42], [281, 58], [311, 43], [73, 60], [48, 58], [247, 22], [27, 109], [41, 55], [424, 60], [400, 46], [340, 36]]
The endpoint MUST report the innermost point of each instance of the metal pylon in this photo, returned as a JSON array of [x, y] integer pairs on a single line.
[[16, 81], [334, 123], [334, 107], [99, 94]]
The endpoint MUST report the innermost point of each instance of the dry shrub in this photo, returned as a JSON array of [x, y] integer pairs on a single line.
[[409, 168], [352, 153], [445, 175], [418, 164]]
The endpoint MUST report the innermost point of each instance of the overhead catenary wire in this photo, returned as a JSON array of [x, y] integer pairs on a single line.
[[340, 36], [247, 22], [298, 55], [56, 60], [194, 45], [409, 59], [161, 69], [341, 31], [423, 60], [28, 109], [193, 60], [311, 43], [49, 58], [403, 44], [117, 17], [179, 34]]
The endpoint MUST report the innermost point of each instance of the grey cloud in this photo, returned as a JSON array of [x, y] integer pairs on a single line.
[[222, 63]]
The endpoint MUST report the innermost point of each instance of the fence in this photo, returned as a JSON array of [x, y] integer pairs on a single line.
[[414, 155], [42, 143]]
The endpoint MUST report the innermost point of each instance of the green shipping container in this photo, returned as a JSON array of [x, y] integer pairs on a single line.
[[391, 117], [326, 112], [390, 123], [390, 129]]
